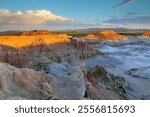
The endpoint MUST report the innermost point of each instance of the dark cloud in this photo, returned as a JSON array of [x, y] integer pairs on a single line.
[[122, 3], [97, 20], [130, 14], [133, 20]]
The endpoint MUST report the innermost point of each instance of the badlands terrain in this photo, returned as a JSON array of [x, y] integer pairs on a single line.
[[70, 66]]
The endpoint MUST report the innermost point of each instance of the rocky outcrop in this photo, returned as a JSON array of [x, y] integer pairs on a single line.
[[102, 85], [109, 35], [17, 50], [90, 37], [146, 35], [37, 40], [37, 56], [75, 82], [24, 83], [106, 35], [13, 56], [70, 81]]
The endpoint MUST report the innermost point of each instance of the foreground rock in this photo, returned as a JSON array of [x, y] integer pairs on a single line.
[[24, 83], [102, 85], [76, 82], [91, 37], [71, 83]]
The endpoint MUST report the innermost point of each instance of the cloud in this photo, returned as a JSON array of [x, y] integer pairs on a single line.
[[130, 22], [38, 19], [123, 3], [30, 17], [130, 14], [133, 20]]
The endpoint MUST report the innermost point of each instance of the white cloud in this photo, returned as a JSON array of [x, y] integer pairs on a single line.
[[30, 17]]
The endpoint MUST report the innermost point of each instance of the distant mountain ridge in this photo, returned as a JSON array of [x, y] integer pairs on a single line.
[[82, 31], [36, 32]]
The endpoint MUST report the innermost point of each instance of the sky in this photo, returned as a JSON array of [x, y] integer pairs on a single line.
[[73, 14]]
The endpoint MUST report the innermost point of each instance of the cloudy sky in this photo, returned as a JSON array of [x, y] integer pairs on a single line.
[[73, 14]]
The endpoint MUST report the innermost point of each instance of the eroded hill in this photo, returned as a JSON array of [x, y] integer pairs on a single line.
[[146, 35], [34, 40], [107, 35]]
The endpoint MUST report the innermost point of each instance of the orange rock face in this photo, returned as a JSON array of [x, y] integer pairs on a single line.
[[146, 34], [91, 37], [15, 49], [27, 41], [109, 35]]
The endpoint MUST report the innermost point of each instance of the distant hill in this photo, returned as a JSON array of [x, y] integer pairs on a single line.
[[81, 32], [122, 31], [11, 33], [91, 37], [36, 32], [107, 35], [110, 35], [146, 35]]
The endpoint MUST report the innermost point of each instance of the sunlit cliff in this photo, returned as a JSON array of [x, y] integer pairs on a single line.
[[146, 34], [33, 39]]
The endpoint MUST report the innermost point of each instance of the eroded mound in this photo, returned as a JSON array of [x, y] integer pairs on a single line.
[[110, 35], [146, 34], [107, 35], [91, 37]]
